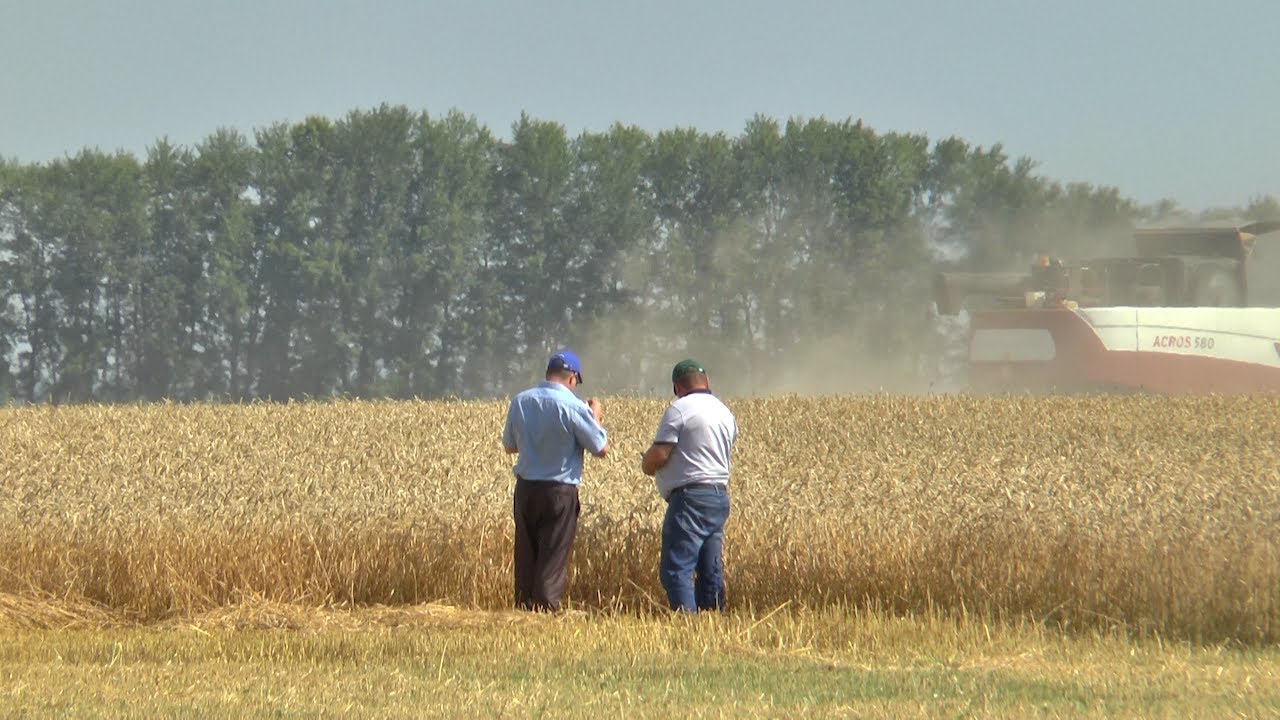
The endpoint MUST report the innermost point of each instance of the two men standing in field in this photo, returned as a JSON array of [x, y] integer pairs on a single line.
[[550, 428]]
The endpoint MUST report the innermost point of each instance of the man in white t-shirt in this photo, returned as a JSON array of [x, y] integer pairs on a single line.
[[689, 459]]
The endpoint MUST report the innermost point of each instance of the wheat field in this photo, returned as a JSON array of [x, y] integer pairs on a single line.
[[1148, 515]]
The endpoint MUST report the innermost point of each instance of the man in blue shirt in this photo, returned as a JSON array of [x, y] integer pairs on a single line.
[[548, 428]]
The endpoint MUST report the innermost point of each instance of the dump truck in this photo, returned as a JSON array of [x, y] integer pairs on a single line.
[[1195, 310]]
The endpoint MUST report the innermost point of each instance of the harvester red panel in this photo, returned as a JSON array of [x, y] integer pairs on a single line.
[[1138, 349]]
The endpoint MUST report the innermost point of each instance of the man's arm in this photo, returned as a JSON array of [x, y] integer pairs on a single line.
[[656, 457], [597, 410], [509, 431], [590, 435]]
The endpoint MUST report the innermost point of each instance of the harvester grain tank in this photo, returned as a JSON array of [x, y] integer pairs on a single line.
[[1196, 310]]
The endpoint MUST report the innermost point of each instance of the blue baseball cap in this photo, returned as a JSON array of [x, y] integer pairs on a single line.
[[566, 360]]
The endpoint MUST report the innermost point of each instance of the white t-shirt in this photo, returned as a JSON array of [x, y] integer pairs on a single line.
[[703, 431]]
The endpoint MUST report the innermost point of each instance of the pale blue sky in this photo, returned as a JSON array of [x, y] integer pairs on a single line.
[[1173, 98]]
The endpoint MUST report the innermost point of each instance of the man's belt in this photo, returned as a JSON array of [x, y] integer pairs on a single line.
[[689, 486]]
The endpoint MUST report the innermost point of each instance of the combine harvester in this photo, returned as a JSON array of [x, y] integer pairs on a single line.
[[1175, 319]]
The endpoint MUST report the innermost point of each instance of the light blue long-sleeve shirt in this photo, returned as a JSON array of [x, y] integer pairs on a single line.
[[550, 428]]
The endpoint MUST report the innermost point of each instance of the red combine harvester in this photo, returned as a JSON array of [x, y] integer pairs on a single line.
[[1175, 319]]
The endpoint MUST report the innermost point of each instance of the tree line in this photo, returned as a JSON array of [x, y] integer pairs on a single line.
[[393, 253]]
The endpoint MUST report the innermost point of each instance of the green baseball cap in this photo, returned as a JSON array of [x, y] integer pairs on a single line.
[[686, 367]]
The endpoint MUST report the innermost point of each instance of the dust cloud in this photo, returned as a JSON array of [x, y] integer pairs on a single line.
[[631, 351], [1263, 271], [639, 363]]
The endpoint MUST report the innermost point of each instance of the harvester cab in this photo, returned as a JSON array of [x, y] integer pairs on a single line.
[[1195, 310], [1173, 267]]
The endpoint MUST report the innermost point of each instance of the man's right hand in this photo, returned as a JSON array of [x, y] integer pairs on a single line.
[[597, 408]]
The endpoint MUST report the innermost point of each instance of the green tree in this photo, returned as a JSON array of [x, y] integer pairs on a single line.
[[373, 159], [166, 278], [531, 247], [446, 306], [91, 219], [232, 286], [301, 350], [695, 179], [23, 283], [611, 213]]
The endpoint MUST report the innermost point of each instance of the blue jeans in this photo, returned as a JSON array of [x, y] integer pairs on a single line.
[[693, 547]]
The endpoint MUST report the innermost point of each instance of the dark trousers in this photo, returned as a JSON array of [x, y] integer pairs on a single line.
[[546, 515]]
